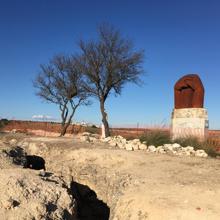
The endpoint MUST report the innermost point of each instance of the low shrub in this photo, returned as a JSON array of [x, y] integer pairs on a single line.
[[188, 141], [156, 137], [209, 145]]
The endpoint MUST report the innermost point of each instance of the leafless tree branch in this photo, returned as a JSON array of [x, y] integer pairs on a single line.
[[61, 82], [108, 64]]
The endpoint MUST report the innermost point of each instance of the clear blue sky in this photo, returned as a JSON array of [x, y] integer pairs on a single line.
[[179, 37]]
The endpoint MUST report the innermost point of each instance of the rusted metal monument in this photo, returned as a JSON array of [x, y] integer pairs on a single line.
[[189, 118]]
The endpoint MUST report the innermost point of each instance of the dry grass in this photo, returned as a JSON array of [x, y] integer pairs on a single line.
[[156, 137]]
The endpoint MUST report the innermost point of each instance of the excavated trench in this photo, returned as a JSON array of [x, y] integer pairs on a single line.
[[94, 188], [89, 207], [96, 181]]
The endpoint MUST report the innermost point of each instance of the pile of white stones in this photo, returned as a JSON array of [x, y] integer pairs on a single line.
[[135, 144], [89, 138]]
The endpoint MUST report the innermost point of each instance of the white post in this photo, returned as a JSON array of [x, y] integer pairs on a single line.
[[103, 126], [103, 131]]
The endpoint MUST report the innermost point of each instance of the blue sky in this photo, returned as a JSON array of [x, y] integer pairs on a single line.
[[179, 37]]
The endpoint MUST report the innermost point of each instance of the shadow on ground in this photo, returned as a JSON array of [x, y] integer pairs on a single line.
[[89, 207]]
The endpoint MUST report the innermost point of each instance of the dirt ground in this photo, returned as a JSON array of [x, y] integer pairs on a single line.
[[136, 185]]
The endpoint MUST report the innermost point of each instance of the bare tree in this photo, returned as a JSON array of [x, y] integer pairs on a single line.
[[60, 82], [108, 64]]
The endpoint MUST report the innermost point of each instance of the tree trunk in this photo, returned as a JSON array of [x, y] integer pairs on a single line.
[[65, 124], [104, 118], [63, 129]]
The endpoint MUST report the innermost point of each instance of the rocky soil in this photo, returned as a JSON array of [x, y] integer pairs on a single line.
[[136, 183]]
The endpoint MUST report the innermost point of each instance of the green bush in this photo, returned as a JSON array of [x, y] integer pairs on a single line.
[[156, 137], [3, 123]]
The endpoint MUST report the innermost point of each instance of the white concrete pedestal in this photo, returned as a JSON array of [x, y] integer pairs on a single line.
[[188, 122]]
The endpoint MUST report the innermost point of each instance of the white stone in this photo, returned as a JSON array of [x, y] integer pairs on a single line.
[[187, 153], [106, 139], [180, 153], [183, 153], [113, 144], [201, 153], [119, 137], [135, 147], [121, 145], [123, 141], [160, 150], [84, 138], [42, 173], [176, 153], [135, 140], [192, 153], [189, 148], [129, 147], [168, 147], [151, 148], [142, 147], [176, 146], [13, 131], [86, 134], [92, 139]]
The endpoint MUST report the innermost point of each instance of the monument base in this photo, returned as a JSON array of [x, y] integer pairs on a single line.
[[189, 122]]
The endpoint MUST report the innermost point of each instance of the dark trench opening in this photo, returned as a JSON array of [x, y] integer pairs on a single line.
[[21, 158], [89, 207]]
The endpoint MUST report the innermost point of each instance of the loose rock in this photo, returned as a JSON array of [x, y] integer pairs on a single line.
[[201, 153], [152, 148], [143, 147], [129, 147]]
